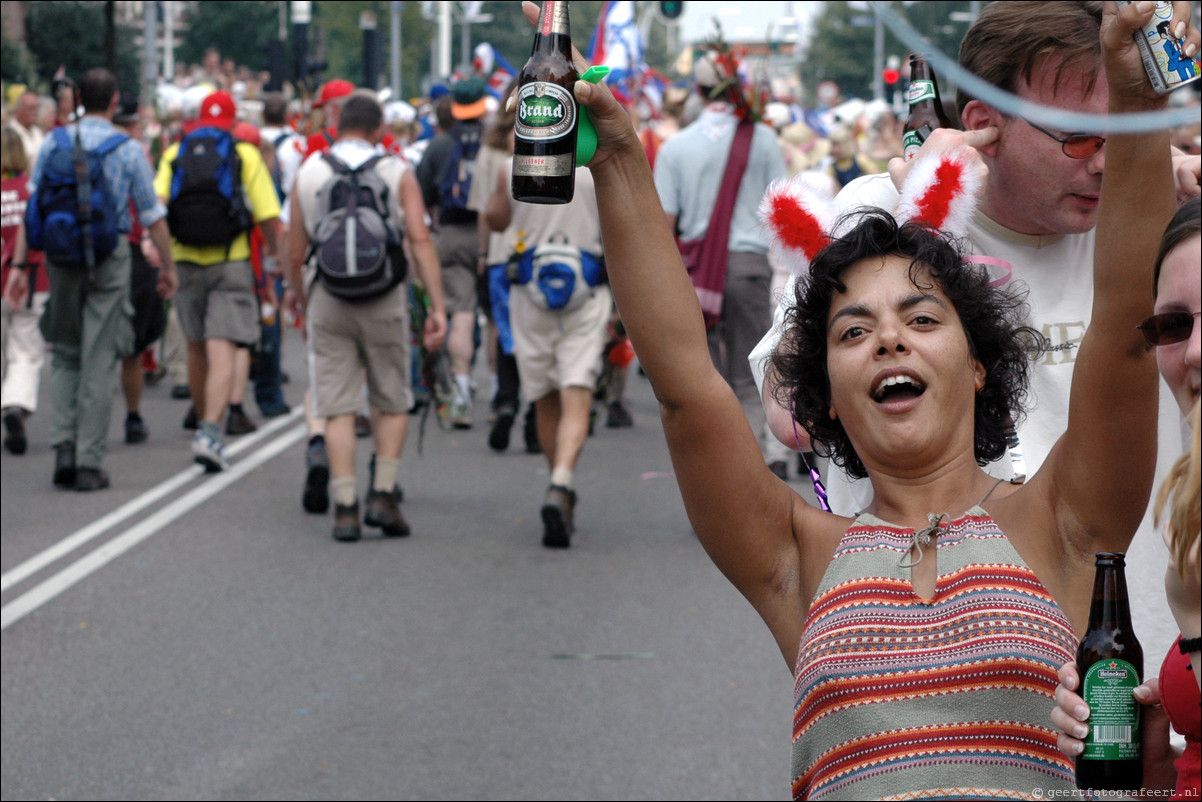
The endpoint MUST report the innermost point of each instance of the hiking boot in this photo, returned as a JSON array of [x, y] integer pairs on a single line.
[[88, 479], [618, 417], [316, 497], [558, 511], [64, 465], [135, 429], [209, 452], [238, 423], [346, 522], [192, 420], [498, 436], [384, 512], [14, 432]]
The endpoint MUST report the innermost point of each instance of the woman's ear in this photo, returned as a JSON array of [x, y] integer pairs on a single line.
[[979, 374], [976, 116]]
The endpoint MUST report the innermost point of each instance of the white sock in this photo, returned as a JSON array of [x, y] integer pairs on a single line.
[[562, 477], [344, 491], [464, 384], [386, 471]]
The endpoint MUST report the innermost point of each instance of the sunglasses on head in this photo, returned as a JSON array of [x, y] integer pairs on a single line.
[[1168, 327], [1075, 146]]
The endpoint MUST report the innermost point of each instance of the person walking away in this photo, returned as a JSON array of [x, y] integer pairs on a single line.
[[736, 282], [23, 348], [150, 312], [216, 188], [445, 177], [560, 309], [355, 329], [87, 319]]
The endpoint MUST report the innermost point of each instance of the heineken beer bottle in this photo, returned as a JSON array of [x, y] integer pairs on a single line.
[[1111, 664], [926, 110]]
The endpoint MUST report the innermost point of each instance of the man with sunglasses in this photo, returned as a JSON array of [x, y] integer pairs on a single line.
[[1034, 222]]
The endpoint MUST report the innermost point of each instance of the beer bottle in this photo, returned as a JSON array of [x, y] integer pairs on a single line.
[[1110, 662], [926, 110], [544, 152]]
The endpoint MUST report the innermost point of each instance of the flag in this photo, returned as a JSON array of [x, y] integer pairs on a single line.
[[617, 44], [492, 66]]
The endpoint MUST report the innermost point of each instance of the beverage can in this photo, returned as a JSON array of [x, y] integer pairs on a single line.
[[1166, 64]]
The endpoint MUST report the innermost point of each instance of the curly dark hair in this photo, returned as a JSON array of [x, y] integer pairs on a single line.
[[992, 319]]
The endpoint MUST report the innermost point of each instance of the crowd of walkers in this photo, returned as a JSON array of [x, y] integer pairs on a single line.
[[954, 336]]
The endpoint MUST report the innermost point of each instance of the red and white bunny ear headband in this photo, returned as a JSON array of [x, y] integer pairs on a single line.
[[940, 190]]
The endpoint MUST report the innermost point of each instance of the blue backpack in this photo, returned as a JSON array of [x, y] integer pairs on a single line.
[[72, 179], [206, 205], [457, 177]]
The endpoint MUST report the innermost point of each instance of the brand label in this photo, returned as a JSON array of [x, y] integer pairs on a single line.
[[543, 166], [920, 90], [545, 112], [1113, 712], [912, 141]]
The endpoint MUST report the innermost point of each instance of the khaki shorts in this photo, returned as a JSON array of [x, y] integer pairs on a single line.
[[218, 302], [555, 350], [458, 247], [346, 339]]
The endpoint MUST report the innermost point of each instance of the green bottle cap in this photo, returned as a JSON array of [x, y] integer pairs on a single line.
[[586, 135]]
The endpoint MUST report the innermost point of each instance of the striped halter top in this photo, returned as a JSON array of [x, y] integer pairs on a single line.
[[899, 697]]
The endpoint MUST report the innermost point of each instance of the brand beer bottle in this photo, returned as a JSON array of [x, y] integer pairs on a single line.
[[926, 110], [544, 153], [1110, 662]]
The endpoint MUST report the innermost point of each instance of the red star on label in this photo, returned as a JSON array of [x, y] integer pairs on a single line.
[[1113, 664]]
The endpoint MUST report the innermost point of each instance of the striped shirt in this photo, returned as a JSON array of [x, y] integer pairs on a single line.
[[900, 697]]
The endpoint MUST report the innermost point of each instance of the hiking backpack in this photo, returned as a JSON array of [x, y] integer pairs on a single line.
[[457, 176], [206, 205], [52, 217], [355, 244]]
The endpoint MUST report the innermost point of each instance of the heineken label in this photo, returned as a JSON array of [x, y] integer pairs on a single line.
[[547, 166], [1113, 711], [545, 111], [912, 141], [920, 90]]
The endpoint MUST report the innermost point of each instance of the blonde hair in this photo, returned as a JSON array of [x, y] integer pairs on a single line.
[[13, 160], [1181, 494]]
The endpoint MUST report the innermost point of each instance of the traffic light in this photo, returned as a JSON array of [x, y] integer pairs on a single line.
[[891, 77], [671, 9]]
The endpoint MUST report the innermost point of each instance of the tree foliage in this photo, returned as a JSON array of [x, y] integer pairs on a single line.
[[239, 30], [71, 35], [841, 49]]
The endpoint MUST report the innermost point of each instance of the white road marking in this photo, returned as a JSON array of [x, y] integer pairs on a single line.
[[20, 573], [85, 566]]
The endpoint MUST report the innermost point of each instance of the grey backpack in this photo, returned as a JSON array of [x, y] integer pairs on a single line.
[[355, 244]]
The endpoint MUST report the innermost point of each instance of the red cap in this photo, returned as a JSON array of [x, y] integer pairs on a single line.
[[332, 90], [217, 109]]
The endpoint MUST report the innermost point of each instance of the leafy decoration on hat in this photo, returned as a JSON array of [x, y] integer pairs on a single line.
[[748, 102]]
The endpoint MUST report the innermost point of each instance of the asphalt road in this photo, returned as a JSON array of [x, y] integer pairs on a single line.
[[182, 636]]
